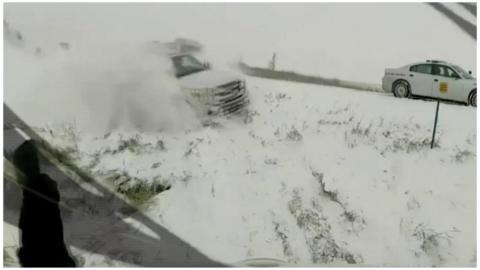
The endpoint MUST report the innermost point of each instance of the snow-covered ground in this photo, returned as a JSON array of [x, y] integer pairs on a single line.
[[313, 176], [310, 175]]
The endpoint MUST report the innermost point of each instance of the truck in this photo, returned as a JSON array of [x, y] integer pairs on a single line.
[[210, 91]]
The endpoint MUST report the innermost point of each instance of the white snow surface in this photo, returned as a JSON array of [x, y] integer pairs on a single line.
[[236, 187]]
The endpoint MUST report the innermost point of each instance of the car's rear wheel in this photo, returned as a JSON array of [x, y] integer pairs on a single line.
[[401, 89], [472, 98]]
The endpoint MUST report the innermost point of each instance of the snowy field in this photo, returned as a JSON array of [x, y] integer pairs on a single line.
[[312, 176], [309, 175]]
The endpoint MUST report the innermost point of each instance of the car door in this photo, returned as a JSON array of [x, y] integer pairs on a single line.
[[420, 79], [447, 84]]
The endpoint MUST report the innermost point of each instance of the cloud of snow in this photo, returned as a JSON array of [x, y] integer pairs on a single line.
[[98, 87]]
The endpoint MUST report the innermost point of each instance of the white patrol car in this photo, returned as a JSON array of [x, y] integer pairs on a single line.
[[432, 78], [208, 90]]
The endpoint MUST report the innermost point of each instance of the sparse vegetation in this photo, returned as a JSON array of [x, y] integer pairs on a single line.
[[357, 223], [331, 195], [271, 161], [432, 243], [96, 157], [323, 248], [294, 135], [211, 123], [161, 145], [131, 144], [291, 134], [287, 249], [137, 191], [142, 192], [156, 165], [192, 147], [394, 138], [462, 155]]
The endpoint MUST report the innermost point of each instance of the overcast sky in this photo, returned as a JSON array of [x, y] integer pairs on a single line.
[[360, 33]]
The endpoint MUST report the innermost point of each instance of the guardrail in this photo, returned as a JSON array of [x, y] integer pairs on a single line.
[[298, 77]]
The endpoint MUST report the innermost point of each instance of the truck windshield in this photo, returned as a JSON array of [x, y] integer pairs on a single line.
[[186, 64], [462, 72]]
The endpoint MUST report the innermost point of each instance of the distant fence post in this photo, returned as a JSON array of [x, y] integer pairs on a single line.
[[272, 63], [435, 124]]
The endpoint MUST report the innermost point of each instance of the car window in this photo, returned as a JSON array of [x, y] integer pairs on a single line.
[[462, 71], [451, 73], [186, 64], [424, 68], [444, 71]]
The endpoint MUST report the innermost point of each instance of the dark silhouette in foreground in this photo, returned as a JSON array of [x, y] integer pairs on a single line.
[[40, 222]]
